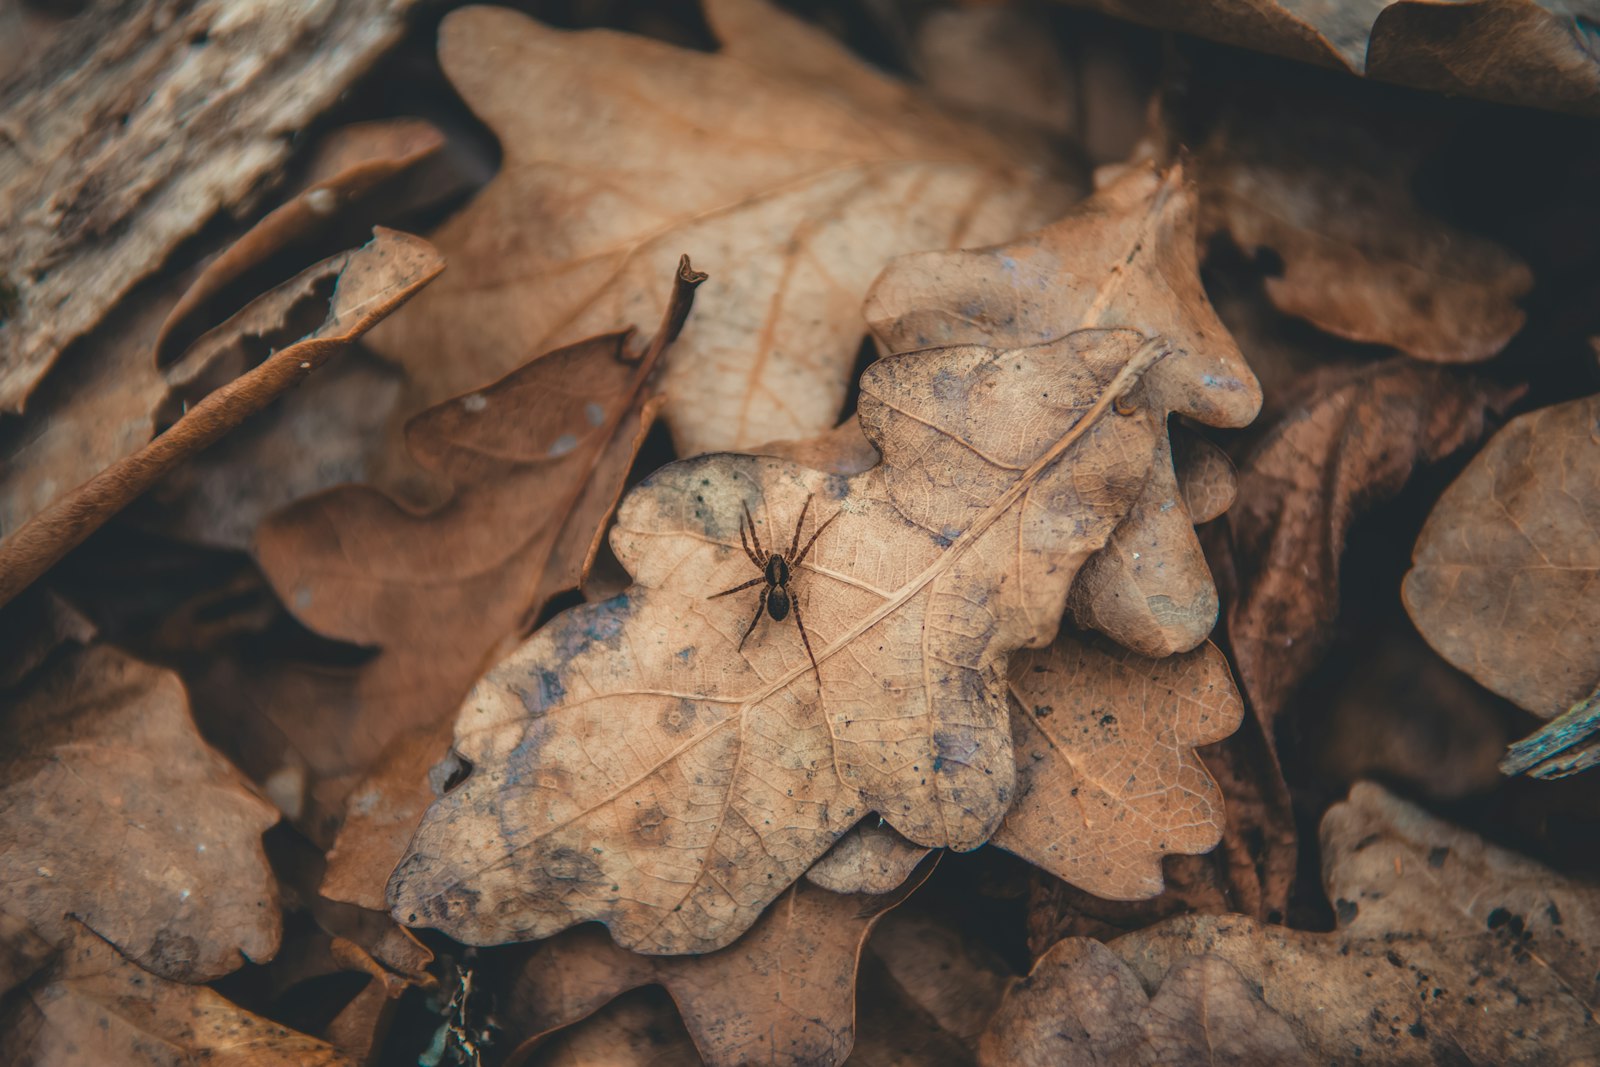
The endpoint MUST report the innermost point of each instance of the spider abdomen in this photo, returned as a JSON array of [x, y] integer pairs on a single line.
[[778, 604]]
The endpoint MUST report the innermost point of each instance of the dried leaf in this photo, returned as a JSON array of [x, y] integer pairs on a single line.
[[1352, 440], [1107, 778], [1449, 949], [634, 744], [114, 813], [1124, 258], [1503, 573], [1529, 52], [784, 993], [1331, 196], [621, 152], [536, 462], [638, 1029], [949, 973], [352, 163], [871, 858], [383, 813], [1083, 1005], [100, 1009], [372, 282], [198, 103]]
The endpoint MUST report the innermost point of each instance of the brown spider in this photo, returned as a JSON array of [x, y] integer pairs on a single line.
[[776, 572]]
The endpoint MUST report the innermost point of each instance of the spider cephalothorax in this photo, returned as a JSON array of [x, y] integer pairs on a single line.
[[777, 571]]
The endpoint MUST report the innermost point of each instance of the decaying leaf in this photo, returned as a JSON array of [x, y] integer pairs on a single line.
[[97, 1009], [114, 813], [1108, 781], [1353, 438], [1084, 1007], [1448, 948], [1125, 258], [383, 812], [1330, 195], [640, 763], [134, 130], [638, 1029], [784, 993], [350, 164], [371, 282], [871, 858], [1531, 52], [536, 462], [621, 152], [1504, 573], [22, 952], [953, 977]]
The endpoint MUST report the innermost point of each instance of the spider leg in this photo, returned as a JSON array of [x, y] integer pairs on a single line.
[[760, 609], [761, 552], [799, 525], [801, 557], [761, 564], [739, 588], [794, 602]]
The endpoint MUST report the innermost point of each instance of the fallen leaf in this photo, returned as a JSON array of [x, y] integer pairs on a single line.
[[1352, 439], [372, 282], [98, 1008], [784, 993], [638, 1029], [1107, 778], [1331, 196], [621, 152], [1083, 1005], [199, 105], [332, 430], [1448, 949], [1503, 574], [894, 1030], [1529, 52], [950, 974], [383, 812], [536, 462], [114, 813], [350, 165], [1124, 258], [733, 768], [871, 858]]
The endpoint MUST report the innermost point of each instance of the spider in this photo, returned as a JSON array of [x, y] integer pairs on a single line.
[[776, 573]]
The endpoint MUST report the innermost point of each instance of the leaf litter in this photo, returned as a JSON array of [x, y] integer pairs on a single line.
[[1005, 622]]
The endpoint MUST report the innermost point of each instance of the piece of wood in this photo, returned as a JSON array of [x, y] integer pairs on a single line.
[[124, 128]]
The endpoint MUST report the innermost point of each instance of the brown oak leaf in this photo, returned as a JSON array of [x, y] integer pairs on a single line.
[[1448, 948], [787, 162], [784, 993], [114, 813], [1108, 781], [536, 462], [1352, 438], [640, 762], [1529, 52], [96, 1008], [1124, 258], [1504, 573], [1082, 1006], [1328, 190]]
